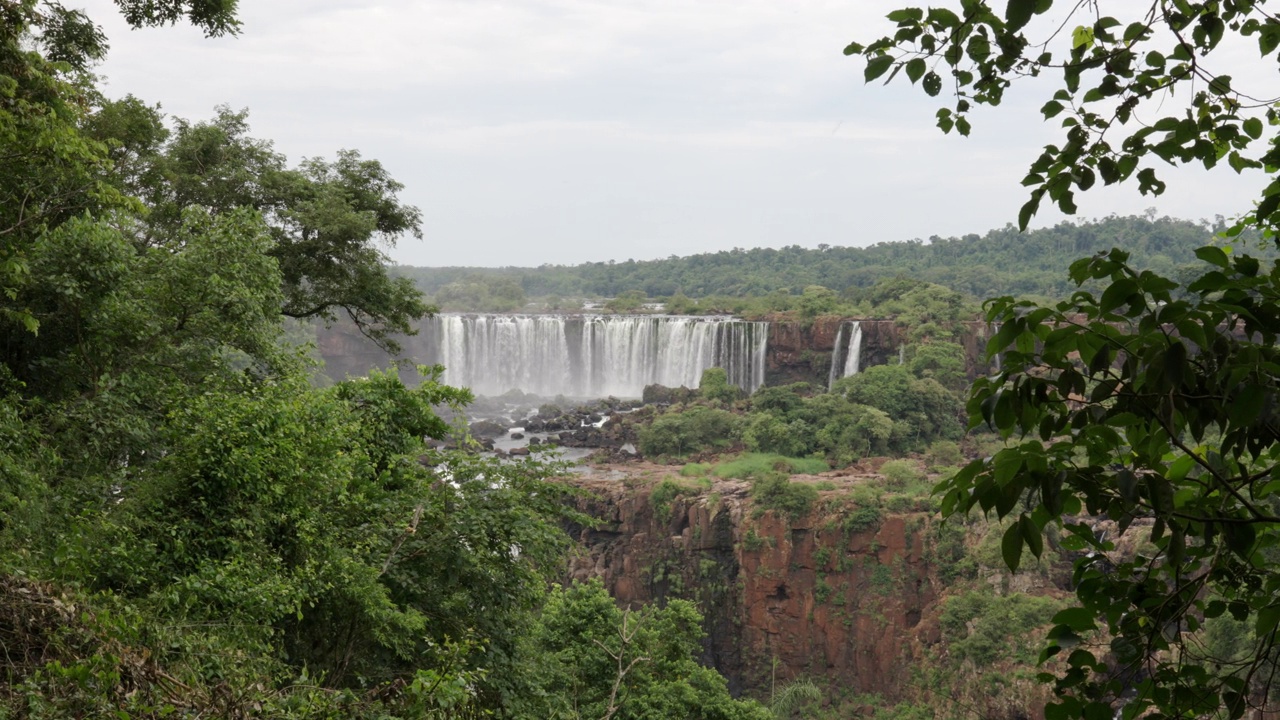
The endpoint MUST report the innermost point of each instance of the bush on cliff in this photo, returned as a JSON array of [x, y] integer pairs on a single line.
[[592, 660], [929, 411], [777, 492]]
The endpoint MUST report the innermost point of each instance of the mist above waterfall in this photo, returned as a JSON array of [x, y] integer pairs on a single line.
[[592, 355]]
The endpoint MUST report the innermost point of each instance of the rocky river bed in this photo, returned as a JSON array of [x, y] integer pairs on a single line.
[[512, 424]]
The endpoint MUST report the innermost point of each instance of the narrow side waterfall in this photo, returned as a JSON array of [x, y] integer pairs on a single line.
[[592, 355], [834, 374], [846, 359], [853, 359]]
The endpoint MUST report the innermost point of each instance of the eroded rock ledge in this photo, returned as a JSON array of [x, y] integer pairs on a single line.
[[844, 593]]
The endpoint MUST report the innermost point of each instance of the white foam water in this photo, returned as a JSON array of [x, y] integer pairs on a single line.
[[592, 355]]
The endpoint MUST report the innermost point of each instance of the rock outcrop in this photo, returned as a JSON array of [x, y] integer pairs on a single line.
[[801, 351], [840, 593]]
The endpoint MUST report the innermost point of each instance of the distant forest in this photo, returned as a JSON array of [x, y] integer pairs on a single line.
[[1002, 262]]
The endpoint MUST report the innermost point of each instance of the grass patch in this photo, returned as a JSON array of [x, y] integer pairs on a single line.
[[695, 470], [753, 466]]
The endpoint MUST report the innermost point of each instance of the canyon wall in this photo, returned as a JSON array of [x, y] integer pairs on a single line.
[[841, 593], [802, 351]]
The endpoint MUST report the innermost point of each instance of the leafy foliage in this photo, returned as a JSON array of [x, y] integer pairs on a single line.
[[1117, 74], [714, 385], [1150, 409], [777, 492], [678, 433], [327, 220], [189, 527], [595, 660], [982, 628], [1142, 400]]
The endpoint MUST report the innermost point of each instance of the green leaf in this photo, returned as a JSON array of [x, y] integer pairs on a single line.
[[1240, 538], [1213, 255], [1245, 408], [1017, 14], [1076, 618], [1134, 31], [932, 84], [1011, 546], [915, 69], [877, 66], [1051, 109], [1082, 37], [943, 17], [1118, 293], [1029, 210], [1269, 39], [1031, 535], [1268, 618], [1239, 610], [1253, 128]]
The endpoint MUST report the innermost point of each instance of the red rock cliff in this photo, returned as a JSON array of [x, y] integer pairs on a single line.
[[839, 593]]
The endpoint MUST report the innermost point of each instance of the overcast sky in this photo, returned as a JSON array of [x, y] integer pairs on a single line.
[[565, 131]]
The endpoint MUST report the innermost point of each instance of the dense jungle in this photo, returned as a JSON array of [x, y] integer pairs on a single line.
[[1026, 474]]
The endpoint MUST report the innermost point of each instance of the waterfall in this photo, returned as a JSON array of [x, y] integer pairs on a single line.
[[853, 359], [834, 374], [592, 355], [846, 359]]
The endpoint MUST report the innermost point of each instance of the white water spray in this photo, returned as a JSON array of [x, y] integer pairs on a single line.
[[592, 355], [852, 359]]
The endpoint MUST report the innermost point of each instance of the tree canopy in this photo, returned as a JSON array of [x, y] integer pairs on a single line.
[[1146, 408], [189, 527], [233, 540], [976, 266]]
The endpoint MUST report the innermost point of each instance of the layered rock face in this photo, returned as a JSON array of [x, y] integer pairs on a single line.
[[840, 593], [804, 351]]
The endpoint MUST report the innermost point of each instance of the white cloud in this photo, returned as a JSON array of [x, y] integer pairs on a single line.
[[534, 131]]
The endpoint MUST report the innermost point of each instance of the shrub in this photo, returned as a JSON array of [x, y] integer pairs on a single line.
[[714, 385], [982, 628], [697, 428], [928, 409], [776, 492], [770, 433], [782, 399], [901, 473], [862, 520], [943, 453], [663, 495], [754, 542]]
